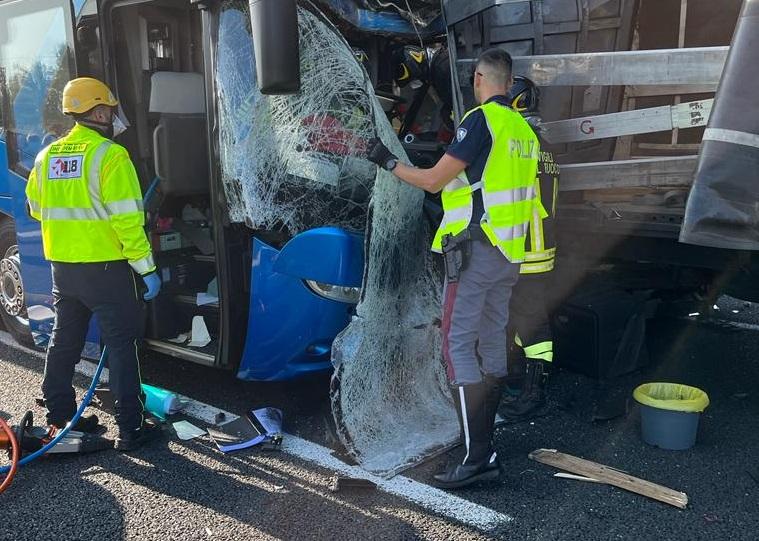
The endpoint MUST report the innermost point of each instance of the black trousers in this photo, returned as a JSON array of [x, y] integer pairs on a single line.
[[108, 290], [529, 315]]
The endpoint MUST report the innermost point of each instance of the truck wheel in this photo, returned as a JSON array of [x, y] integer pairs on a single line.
[[12, 306]]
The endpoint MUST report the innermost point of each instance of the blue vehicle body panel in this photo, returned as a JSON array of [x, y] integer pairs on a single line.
[[6, 201], [35, 269], [326, 254], [382, 22], [291, 328], [6, 204]]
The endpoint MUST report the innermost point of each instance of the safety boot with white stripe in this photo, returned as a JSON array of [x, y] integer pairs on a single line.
[[480, 462]]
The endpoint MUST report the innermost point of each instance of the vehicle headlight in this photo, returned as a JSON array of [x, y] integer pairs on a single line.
[[345, 294]]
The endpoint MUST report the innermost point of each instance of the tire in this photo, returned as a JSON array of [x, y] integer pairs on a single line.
[[12, 306]]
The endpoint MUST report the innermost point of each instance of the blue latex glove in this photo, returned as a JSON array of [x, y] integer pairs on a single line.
[[153, 283]]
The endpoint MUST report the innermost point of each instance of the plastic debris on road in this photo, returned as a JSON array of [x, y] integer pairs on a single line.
[[187, 431], [259, 427], [161, 402]]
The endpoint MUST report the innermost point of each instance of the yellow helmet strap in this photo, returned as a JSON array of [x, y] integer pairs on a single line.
[[515, 104]]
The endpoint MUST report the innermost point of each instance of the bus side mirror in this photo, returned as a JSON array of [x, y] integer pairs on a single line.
[[274, 28]]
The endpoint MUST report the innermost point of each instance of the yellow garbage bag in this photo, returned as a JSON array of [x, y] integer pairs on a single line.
[[672, 396]]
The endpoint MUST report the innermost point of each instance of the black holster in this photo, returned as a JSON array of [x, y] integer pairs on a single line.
[[457, 250]]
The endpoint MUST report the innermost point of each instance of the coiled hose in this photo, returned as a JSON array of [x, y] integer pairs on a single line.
[[15, 455]]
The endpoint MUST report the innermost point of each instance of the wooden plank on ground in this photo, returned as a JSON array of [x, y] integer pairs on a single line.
[[563, 475], [610, 476]]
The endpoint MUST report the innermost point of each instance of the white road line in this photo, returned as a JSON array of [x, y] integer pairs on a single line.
[[722, 323], [85, 367], [429, 498], [736, 325]]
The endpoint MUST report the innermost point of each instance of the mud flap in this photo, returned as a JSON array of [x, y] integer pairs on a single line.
[[723, 206]]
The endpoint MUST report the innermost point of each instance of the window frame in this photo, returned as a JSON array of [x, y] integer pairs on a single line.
[[7, 120]]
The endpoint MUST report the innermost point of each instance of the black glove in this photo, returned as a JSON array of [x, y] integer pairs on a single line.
[[378, 153]]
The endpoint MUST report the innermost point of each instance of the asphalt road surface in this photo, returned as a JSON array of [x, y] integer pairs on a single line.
[[188, 490]]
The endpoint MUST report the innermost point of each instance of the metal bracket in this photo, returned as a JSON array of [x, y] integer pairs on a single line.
[[650, 120], [694, 66], [663, 172]]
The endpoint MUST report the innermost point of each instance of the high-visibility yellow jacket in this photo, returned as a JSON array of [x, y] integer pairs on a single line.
[[85, 191], [508, 186]]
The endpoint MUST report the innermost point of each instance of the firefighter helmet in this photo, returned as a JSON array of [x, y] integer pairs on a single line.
[[524, 96], [411, 65], [85, 93]]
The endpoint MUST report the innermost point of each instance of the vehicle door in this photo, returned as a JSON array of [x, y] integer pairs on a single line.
[[37, 60]]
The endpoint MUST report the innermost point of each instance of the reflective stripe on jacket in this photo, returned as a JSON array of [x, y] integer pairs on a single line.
[[508, 186], [541, 237], [85, 191]]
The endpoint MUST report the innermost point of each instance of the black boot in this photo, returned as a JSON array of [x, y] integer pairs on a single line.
[[480, 462], [86, 423], [496, 388], [532, 400], [129, 440]]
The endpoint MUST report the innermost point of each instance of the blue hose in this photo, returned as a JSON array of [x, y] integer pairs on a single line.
[[62, 434]]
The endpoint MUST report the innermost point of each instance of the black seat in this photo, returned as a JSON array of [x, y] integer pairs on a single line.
[[180, 147]]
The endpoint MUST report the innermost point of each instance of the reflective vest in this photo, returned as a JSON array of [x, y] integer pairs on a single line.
[[86, 193], [541, 237], [507, 184]]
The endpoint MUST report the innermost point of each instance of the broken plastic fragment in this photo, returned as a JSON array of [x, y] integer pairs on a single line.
[[181, 339], [259, 426], [199, 337], [187, 431]]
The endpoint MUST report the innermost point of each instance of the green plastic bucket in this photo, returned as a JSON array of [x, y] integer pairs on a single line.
[[670, 413]]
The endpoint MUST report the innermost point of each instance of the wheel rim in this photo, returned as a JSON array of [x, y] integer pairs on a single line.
[[11, 284]]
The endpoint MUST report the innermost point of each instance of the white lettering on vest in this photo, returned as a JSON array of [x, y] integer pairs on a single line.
[[520, 148]]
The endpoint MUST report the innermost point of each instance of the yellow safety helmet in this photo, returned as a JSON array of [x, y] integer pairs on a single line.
[[85, 93]]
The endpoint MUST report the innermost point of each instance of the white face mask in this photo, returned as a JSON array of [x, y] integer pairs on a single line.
[[119, 126]]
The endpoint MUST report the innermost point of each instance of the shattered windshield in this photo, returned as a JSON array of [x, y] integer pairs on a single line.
[[299, 161], [289, 162]]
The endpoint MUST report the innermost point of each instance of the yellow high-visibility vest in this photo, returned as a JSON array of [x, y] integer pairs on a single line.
[[85, 191], [507, 184]]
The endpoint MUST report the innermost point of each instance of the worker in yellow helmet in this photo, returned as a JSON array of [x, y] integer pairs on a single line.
[[85, 192]]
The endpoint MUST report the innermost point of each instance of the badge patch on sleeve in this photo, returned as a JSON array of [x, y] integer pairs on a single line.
[[460, 134], [65, 167]]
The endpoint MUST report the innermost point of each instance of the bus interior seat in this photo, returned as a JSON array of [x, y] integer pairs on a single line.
[[180, 149]]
